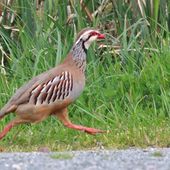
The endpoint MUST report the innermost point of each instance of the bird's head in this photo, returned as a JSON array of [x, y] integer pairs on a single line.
[[87, 36]]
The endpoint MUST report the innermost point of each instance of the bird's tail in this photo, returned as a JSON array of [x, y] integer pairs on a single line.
[[6, 109], [2, 113]]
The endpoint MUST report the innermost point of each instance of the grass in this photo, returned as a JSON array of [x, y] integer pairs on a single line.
[[132, 106], [62, 156], [157, 154], [127, 95]]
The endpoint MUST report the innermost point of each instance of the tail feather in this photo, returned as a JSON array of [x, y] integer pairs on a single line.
[[7, 109], [2, 113]]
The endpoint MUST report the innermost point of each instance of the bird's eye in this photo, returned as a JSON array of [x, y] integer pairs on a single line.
[[94, 33]]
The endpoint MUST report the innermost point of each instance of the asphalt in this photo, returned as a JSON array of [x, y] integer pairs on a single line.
[[129, 159]]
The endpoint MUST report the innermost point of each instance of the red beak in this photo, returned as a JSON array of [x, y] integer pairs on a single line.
[[101, 36]]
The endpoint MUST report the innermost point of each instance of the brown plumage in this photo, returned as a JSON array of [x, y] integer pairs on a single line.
[[52, 91]]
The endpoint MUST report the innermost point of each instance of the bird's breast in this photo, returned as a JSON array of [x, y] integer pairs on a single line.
[[78, 86]]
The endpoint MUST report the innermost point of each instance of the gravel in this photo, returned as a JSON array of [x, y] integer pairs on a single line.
[[130, 159]]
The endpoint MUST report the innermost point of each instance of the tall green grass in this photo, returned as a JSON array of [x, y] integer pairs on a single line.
[[127, 93]]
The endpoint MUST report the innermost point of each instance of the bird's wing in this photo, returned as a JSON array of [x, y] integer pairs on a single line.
[[55, 88], [45, 88]]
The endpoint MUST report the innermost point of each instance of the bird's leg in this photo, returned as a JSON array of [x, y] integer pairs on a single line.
[[63, 117], [10, 125]]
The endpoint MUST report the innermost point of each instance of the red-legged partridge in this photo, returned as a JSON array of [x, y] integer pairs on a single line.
[[52, 91]]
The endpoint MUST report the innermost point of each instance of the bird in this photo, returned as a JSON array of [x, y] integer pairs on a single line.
[[51, 92]]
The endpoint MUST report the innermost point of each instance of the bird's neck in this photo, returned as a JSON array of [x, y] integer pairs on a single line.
[[79, 55]]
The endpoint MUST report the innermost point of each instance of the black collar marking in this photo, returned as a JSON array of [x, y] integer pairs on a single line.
[[84, 48]]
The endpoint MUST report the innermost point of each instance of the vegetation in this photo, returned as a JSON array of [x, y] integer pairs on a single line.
[[157, 154], [63, 156], [128, 75]]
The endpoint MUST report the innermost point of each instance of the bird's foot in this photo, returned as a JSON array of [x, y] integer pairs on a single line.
[[93, 131], [63, 116], [88, 130]]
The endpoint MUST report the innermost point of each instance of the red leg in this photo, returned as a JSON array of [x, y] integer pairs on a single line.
[[9, 126], [63, 117]]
